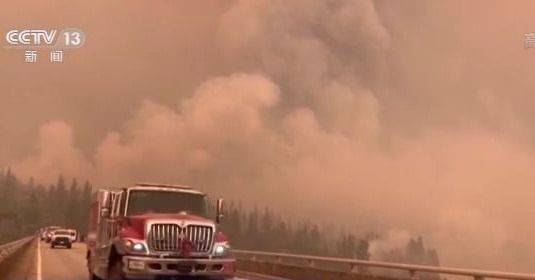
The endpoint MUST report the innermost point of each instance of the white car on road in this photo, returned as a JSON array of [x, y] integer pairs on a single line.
[[61, 237]]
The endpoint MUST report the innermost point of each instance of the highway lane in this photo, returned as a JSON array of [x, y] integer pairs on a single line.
[[69, 264], [60, 263]]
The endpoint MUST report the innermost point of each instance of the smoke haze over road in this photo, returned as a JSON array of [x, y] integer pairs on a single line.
[[398, 118]]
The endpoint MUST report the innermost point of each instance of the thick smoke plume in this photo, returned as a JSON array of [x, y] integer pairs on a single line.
[[375, 116]]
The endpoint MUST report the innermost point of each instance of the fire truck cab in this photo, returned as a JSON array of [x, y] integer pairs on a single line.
[[154, 231]]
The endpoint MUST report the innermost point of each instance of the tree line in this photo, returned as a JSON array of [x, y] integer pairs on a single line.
[[267, 231], [27, 206]]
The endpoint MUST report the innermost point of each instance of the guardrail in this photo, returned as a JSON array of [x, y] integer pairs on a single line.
[[411, 269], [7, 249]]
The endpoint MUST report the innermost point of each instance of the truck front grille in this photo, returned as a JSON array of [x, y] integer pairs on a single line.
[[169, 237]]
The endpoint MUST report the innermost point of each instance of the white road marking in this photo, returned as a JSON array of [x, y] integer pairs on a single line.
[[39, 277]]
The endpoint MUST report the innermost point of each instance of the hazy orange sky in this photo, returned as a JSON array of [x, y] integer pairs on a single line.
[[416, 116]]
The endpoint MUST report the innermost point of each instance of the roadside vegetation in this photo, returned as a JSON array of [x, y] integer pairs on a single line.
[[27, 206]]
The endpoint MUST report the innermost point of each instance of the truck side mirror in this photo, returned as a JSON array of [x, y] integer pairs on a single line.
[[219, 211], [105, 213]]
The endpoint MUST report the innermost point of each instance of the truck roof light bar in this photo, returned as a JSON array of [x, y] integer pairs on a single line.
[[164, 185]]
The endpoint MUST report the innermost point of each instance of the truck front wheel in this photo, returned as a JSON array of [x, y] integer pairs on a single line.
[[93, 277], [116, 270]]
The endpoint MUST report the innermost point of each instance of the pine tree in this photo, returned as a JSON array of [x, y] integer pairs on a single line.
[[48, 205], [301, 239], [10, 193], [85, 202], [252, 229], [363, 248], [232, 224], [60, 201], [315, 241], [266, 229], [10, 216], [281, 236], [31, 213], [73, 206], [347, 246]]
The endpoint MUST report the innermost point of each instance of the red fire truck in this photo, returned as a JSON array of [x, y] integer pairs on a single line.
[[154, 231]]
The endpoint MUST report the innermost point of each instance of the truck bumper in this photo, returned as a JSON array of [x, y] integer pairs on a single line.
[[140, 267]]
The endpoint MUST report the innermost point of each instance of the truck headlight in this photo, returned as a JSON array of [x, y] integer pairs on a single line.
[[134, 247], [138, 247], [221, 250]]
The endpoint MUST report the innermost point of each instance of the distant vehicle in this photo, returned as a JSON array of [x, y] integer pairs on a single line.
[[150, 231], [74, 235], [42, 234], [46, 235], [61, 237]]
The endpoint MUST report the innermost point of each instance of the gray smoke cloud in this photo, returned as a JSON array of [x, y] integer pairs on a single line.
[[403, 119]]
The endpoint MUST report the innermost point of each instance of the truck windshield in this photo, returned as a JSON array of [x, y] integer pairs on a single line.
[[168, 202]]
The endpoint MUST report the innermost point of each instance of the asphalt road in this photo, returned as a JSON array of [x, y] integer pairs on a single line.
[[41, 262], [63, 264]]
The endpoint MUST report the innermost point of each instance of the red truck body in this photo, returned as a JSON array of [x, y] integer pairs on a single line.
[[149, 231]]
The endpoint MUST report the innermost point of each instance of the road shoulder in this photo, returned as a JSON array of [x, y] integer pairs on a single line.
[[23, 264]]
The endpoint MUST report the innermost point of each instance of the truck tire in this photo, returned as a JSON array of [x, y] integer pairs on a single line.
[[69, 246], [115, 271], [93, 277], [52, 245]]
